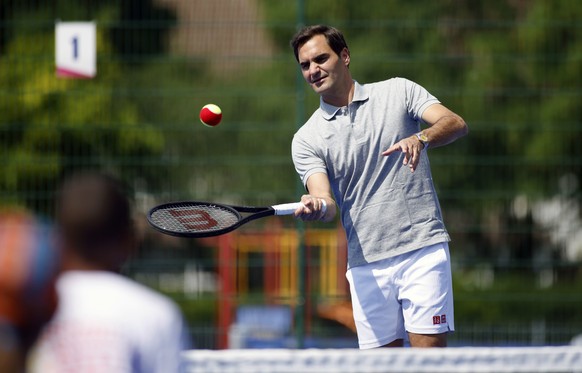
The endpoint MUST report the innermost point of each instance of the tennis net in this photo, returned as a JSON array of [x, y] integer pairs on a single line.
[[450, 360]]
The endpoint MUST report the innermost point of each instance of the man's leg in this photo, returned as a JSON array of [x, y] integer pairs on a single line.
[[427, 297], [396, 343], [428, 340], [421, 340], [376, 310]]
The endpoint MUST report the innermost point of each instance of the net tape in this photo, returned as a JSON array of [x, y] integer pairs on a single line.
[[450, 360]]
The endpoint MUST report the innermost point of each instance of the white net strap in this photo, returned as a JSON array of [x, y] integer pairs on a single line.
[[449, 360]]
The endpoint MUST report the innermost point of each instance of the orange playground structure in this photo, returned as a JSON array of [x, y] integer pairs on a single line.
[[264, 267]]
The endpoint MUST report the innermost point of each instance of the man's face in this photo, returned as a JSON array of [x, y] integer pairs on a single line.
[[321, 67]]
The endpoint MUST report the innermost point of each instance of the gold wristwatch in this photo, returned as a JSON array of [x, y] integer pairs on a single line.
[[423, 139]]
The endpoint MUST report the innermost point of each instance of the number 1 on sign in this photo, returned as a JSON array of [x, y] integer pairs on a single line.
[[76, 51], [75, 43]]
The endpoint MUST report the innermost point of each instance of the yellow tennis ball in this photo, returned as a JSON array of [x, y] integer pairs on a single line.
[[210, 115]]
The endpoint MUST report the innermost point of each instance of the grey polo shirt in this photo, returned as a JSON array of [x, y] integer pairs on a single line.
[[385, 209]]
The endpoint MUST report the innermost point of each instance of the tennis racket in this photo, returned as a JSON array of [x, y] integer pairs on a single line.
[[205, 219]]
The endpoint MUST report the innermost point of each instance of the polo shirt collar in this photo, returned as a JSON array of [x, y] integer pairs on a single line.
[[329, 111]]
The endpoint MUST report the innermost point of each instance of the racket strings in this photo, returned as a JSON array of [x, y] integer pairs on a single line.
[[194, 218]]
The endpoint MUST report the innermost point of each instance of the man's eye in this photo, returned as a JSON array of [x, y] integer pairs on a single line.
[[321, 59]]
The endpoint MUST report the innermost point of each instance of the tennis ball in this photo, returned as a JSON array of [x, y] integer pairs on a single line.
[[210, 115]]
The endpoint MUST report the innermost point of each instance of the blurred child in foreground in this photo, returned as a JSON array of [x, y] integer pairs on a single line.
[[28, 268], [105, 322]]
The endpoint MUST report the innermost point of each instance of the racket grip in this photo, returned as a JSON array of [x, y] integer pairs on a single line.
[[323, 207], [286, 208], [289, 208]]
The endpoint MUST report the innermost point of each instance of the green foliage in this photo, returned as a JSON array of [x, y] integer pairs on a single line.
[[51, 126], [197, 311], [515, 297]]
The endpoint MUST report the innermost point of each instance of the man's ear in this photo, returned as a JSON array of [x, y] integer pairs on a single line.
[[345, 56]]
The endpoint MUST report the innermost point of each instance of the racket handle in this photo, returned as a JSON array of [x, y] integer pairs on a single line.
[[289, 208], [286, 208], [323, 207]]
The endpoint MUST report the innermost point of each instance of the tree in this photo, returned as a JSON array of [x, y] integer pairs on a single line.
[[51, 126]]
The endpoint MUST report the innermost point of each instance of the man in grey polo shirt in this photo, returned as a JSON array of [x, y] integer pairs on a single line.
[[364, 150]]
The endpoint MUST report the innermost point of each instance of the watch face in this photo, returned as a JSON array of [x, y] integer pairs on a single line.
[[422, 137]]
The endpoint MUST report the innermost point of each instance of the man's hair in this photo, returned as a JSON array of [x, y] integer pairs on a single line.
[[334, 38], [94, 216]]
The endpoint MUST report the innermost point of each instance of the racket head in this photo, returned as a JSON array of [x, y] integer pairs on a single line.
[[194, 219]]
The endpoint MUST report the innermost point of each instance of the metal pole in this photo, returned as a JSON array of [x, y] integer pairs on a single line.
[[301, 259]]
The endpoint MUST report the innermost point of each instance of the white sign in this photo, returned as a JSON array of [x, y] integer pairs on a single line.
[[75, 48]]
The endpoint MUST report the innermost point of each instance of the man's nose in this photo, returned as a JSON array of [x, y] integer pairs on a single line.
[[313, 69]]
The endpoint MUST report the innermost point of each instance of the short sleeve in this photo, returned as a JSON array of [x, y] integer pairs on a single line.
[[305, 158], [417, 99]]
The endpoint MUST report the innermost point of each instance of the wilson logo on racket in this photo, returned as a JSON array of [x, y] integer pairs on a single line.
[[194, 219]]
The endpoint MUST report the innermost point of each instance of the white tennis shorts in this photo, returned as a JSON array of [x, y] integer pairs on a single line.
[[412, 292]]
